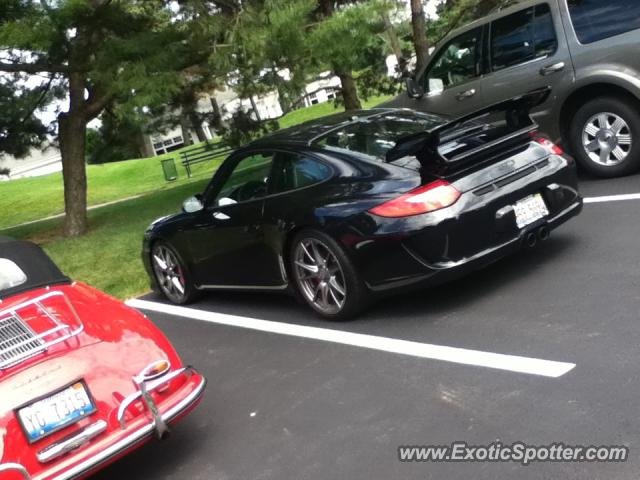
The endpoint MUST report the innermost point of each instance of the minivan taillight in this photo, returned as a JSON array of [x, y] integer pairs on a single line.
[[425, 199]]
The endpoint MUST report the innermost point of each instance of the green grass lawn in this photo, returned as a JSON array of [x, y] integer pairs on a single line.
[[108, 256], [29, 199]]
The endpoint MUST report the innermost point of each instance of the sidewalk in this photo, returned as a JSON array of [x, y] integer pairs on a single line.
[[61, 215]]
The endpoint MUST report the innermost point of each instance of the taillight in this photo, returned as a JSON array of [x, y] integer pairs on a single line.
[[425, 199], [545, 142]]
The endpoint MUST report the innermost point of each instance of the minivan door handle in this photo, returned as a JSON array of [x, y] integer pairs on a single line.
[[466, 94], [551, 69]]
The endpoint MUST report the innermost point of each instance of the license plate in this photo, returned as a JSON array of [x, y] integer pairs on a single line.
[[529, 210], [56, 412]]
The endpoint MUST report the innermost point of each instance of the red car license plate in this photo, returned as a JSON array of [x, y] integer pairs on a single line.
[[55, 412]]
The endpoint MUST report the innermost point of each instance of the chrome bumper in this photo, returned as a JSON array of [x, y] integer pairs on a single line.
[[124, 444], [15, 468]]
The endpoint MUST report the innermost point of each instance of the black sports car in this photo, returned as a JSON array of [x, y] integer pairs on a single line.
[[356, 204]]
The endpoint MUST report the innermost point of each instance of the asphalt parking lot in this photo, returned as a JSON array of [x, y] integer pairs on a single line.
[[281, 406]]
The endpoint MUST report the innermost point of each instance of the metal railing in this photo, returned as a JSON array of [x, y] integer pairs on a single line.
[[19, 341]]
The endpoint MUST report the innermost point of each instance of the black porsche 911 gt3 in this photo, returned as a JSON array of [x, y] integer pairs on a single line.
[[344, 208]]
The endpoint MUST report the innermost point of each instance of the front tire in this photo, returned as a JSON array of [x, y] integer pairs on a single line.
[[605, 137], [172, 278], [325, 276]]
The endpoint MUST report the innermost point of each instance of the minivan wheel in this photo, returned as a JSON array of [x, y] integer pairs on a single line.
[[325, 277], [605, 137]]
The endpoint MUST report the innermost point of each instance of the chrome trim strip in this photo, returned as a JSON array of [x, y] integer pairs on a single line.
[[15, 467], [135, 437], [63, 447]]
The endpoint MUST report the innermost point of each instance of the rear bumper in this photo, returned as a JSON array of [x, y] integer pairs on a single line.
[[434, 248], [116, 443]]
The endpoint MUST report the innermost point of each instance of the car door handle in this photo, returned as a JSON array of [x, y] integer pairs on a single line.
[[221, 216], [551, 69], [466, 94]]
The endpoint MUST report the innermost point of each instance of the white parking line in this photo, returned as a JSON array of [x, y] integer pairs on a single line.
[[512, 363], [613, 198]]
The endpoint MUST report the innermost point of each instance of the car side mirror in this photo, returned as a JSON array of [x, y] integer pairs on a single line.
[[414, 90], [224, 201], [192, 204]]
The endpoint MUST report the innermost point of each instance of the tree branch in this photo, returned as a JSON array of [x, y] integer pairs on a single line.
[[33, 68], [96, 102], [41, 99]]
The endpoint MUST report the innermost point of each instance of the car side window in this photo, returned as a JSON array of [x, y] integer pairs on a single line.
[[457, 62], [295, 171], [595, 20], [247, 181], [522, 36]]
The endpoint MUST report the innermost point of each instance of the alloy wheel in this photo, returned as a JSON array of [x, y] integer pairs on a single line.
[[606, 138], [169, 273], [320, 276]]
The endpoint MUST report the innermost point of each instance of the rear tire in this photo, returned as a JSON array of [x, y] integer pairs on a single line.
[[605, 137], [171, 276], [325, 277]]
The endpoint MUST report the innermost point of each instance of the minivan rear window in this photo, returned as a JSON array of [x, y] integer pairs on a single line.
[[595, 20]]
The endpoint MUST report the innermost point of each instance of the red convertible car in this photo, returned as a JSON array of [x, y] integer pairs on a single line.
[[84, 379]]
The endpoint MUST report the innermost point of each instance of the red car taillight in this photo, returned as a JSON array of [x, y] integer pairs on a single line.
[[425, 199], [545, 142]]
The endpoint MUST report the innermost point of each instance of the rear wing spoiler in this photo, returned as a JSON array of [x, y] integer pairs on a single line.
[[481, 131]]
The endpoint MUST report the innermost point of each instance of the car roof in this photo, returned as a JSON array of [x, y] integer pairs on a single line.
[[305, 134]]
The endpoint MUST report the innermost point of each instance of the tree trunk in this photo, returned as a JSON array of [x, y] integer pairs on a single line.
[[395, 43], [216, 117], [72, 131], [349, 91], [143, 145], [254, 107], [419, 25], [196, 123], [186, 133]]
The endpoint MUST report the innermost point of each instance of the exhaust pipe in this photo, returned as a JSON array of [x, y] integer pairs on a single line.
[[543, 234], [530, 240]]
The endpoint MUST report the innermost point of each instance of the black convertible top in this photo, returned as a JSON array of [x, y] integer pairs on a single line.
[[37, 266]]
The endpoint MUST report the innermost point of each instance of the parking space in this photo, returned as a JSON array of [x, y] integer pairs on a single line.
[[299, 405]]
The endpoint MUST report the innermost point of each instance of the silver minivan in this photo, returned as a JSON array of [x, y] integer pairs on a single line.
[[587, 51]]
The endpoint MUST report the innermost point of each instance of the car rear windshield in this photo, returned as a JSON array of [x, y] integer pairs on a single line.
[[24, 266], [595, 20], [375, 135], [11, 275]]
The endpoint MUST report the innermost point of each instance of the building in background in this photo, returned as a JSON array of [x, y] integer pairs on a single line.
[[38, 162], [323, 89], [267, 107]]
